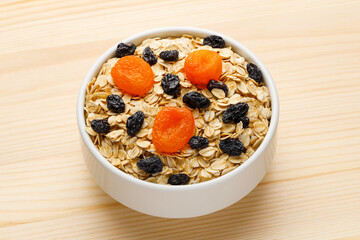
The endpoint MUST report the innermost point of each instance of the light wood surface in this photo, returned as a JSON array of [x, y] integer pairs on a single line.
[[312, 49]]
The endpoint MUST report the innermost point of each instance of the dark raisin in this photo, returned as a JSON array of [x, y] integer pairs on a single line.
[[134, 123], [149, 56], [216, 84], [235, 112], [231, 146], [115, 103], [196, 100], [171, 84], [169, 56], [124, 49], [178, 179], [254, 72], [198, 142], [214, 41], [245, 121], [100, 125], [150, 164]]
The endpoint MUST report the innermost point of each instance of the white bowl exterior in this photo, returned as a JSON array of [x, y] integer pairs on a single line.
[[188, 200]]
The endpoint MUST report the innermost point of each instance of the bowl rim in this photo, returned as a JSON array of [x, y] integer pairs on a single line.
[[168, 31]]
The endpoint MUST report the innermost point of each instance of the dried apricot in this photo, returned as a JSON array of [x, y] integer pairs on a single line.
[[173, 128], [201, 66], [133, 75]]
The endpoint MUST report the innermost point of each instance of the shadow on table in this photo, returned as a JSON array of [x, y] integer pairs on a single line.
[[241, 219]]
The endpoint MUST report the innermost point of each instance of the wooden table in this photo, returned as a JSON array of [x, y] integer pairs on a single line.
[[312, 49]]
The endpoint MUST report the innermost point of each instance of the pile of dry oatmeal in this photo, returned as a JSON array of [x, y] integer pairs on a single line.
[[124, 151]]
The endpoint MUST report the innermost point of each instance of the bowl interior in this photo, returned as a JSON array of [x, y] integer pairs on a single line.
[[178, 32]]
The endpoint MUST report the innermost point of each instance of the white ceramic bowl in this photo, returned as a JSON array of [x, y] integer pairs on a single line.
[[186, 200]]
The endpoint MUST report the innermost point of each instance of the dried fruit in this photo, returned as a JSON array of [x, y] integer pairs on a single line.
[[149, 56], [216, 84], [173, 127], [234, 112], [178, 179], [245, 121], [115, 103], [198, 142], [100, 125], [196, 100], [171, 84], [124, 49], [202, 65], [169, 56], [133, 75], [254, 72], [231, 146], [150, 164], [134, 123], [214, 41]]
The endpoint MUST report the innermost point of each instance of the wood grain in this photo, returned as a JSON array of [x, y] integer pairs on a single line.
[[312, 49]]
